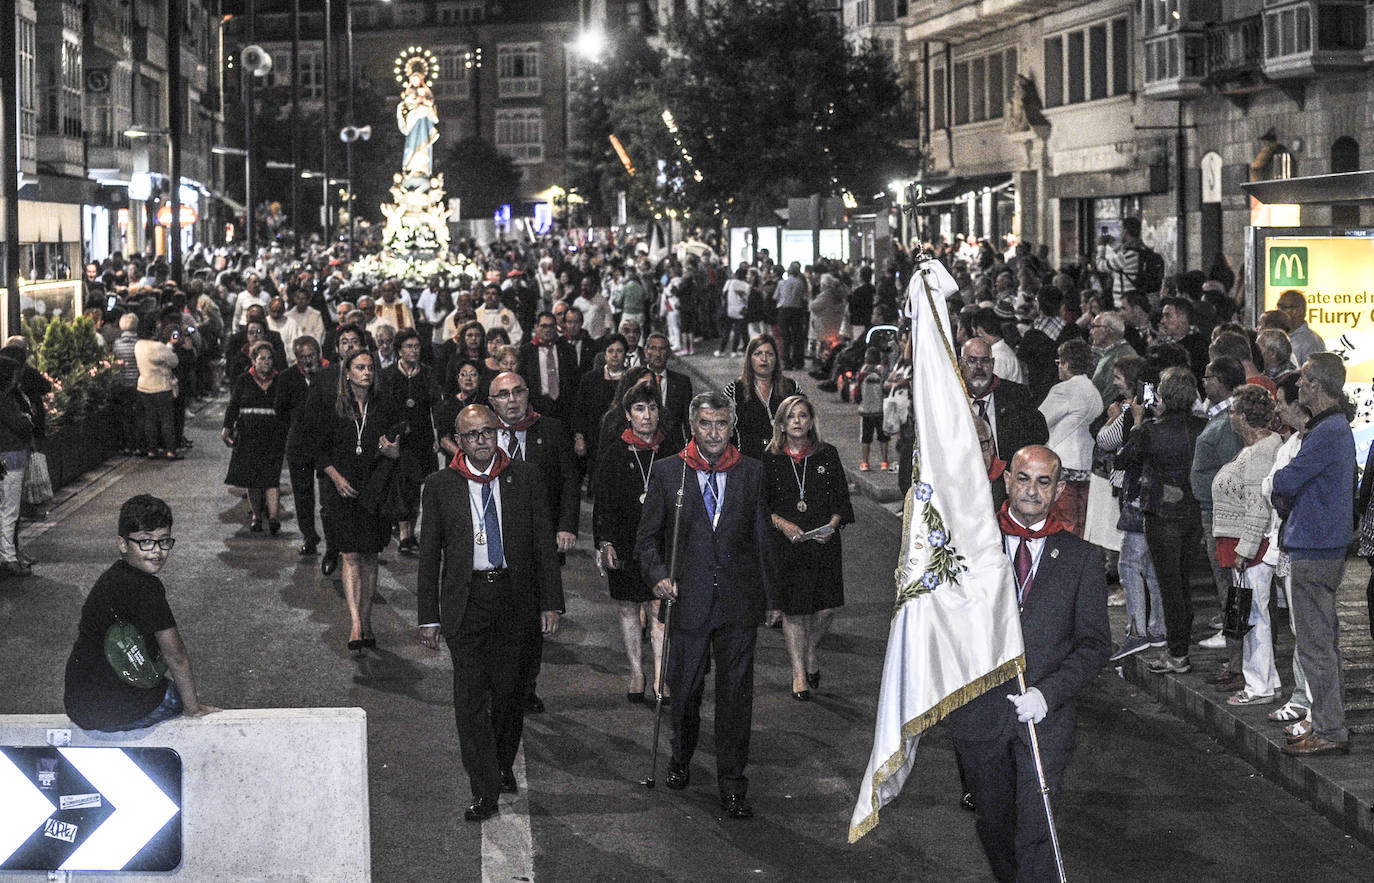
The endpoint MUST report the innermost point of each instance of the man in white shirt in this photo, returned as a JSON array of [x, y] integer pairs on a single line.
[[278, 321], [596, 310], [492, 315], [251, 294], [308, 320], [987, 325], [394, 307]]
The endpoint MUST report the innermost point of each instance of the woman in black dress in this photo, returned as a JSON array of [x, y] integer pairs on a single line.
[[410, 385], [464, 386], [358, 428], [757, 393], [255, 332], [807, 490], [258, 438], [595, 393], [620, 483]]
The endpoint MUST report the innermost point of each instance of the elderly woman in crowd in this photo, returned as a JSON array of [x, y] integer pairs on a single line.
[[464, 386], [257, 435], [758, 393], [410, 384], [595, 392], [807, 490], [1072, 404], [1240, 520], [1162, 449]]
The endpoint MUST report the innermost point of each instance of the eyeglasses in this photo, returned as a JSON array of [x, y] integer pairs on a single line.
[[486, 433], [975, 360], [506, 394], [165, 543]]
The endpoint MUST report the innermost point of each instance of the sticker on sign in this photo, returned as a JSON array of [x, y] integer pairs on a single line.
[[78, 801], [60, 830]]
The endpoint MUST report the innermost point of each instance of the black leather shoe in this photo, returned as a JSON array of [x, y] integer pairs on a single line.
[[736, 806], [480, 810], [508, 785], [533, 704], [308, 548], [679, 775], [801, 695], [330, 562], [813, 679]]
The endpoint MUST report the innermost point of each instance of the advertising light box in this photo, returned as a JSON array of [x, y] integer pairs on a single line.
[[1336, 275]]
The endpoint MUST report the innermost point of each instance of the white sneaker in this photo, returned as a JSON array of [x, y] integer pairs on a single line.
[[1216, 642]]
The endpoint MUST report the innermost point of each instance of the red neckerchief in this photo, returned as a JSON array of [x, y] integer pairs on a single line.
[[539, 341], [798, 457], [260, 379], [727, 460], [992, 387], [630, 438], [499, 463], [998, 467], [1013, 528], [523, 423]]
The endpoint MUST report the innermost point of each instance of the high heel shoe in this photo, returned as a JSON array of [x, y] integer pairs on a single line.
[[356, 647], [369, 641], [813, 679], [255, 525], [801, 695], [273, 526]]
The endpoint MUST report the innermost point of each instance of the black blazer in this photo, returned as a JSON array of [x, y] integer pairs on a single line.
[[618, 484], [732, 563], [673, 415], [585, 358], [1019, 421], [445, 571], [548, 448], [293, 390], [568, 375], [1067, 638]]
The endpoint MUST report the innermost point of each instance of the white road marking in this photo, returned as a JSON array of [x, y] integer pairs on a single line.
[[507, 843]]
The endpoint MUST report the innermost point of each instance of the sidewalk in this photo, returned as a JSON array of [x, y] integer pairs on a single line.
[[1339, 787]]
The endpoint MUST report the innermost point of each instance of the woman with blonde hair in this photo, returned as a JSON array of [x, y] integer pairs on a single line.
[[808, 497]]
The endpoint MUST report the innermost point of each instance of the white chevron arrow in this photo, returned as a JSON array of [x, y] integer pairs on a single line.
[[141, 809], [22, 810]]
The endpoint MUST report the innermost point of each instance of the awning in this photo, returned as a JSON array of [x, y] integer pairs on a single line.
[[962, 186], [1118, 182], [1314, 189], [232, 203]]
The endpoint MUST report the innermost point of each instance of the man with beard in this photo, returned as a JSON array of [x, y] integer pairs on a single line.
[[544, 443], [1006, 406]]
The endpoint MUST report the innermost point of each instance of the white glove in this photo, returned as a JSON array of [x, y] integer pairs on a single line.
[[1030, 706]]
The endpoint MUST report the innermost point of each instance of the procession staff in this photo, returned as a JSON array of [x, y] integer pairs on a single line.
[[1062, 591], [488, 573], [723, 591]]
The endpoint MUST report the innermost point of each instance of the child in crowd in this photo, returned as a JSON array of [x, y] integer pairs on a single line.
[[869, 386]]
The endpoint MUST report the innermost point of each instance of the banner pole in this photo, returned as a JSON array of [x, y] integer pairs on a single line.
[[1044, 788]]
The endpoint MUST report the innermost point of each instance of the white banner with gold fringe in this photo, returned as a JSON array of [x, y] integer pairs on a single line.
[[956, 629]]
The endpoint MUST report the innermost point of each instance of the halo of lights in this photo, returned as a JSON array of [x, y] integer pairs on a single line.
[[415, 60]]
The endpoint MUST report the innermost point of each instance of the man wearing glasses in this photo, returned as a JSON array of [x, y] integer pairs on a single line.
[[488, 575], [1007, 407], [544, 443], [1107, 334], [549, 363]]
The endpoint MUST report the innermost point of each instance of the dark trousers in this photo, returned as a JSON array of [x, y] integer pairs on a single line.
[[531, 659], [1011, 813], [126, 407], [324, 522], [159, 429], [486, 661], [792, 324], [1172, 542], [302, 474], [733, 651]]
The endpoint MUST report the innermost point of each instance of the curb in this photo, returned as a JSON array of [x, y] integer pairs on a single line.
[[1327, 784]]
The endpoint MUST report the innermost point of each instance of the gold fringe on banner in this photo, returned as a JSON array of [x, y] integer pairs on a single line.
[[924, 721]]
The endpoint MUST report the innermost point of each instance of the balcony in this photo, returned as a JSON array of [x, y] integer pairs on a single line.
[[1308, 38], [1175, 64], [62, 154], [109, 163], [1235, 50], [962, 21], [1368, 53]]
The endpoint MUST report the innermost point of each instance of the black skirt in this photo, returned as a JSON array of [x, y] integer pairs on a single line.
[[350, 527]]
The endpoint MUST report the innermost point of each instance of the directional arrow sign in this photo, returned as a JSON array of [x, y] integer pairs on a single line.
[[89, 809]]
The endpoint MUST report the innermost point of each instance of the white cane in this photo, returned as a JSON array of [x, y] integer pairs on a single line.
[[1044, 787]]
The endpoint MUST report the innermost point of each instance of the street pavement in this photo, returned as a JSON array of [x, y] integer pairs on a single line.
[[1146, 797]]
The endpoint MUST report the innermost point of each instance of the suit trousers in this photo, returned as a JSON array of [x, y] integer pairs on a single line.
[[302, 474], [486, 702], [1011, 813], [1315, 583], [733, 650]]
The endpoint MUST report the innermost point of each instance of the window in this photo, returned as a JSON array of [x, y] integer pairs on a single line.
[[517, 70], [452, 82], [520, 134], [982, 86], [312, 75], [978, 90], [961, 93], [409, 14], [1094, 62], [460, 12], [938, 99], [861, 14]]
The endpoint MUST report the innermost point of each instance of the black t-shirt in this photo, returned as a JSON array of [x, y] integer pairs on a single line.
[[95, 696]]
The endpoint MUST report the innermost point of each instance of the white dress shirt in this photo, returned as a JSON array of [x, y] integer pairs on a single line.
[[480, 560], [720, 492], [1035, 546]]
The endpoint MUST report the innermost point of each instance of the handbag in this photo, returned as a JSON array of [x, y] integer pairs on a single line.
[[896, 406], [1235, 620], [37, 481], [128, 655]]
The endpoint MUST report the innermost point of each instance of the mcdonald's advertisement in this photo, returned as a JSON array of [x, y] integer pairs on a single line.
[[1336, 275]]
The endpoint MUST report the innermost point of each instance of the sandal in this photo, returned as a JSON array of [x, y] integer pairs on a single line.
[[1288, 711], [1298, 731], [1245, 697]]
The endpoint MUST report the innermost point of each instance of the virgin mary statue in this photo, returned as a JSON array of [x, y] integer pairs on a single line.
[[417, 120]]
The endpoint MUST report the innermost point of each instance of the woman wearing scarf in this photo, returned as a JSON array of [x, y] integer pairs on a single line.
[[620, 483], [807, 491], [257, 436]]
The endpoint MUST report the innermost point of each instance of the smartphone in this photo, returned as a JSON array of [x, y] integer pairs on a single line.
[[111, 302], [1147, 395]]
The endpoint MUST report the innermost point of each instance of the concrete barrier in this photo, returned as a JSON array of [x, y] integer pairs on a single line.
[[267, 794]]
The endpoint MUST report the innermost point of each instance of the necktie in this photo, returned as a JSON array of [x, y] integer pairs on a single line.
[[982, 406], [710, 498], [552, 389], [658, 387], [513, 445], [492, 522], [1021, 563]]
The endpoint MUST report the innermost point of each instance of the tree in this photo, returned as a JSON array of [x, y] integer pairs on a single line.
[[481, 176], [770, 101]]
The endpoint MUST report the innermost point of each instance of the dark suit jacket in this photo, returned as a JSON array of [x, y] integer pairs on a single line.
[[445, 572], [1067, 638], [734, 562], [293, 391], [568, 376], [1019, 421], [590, 348], [548, 448], [673, 416]]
